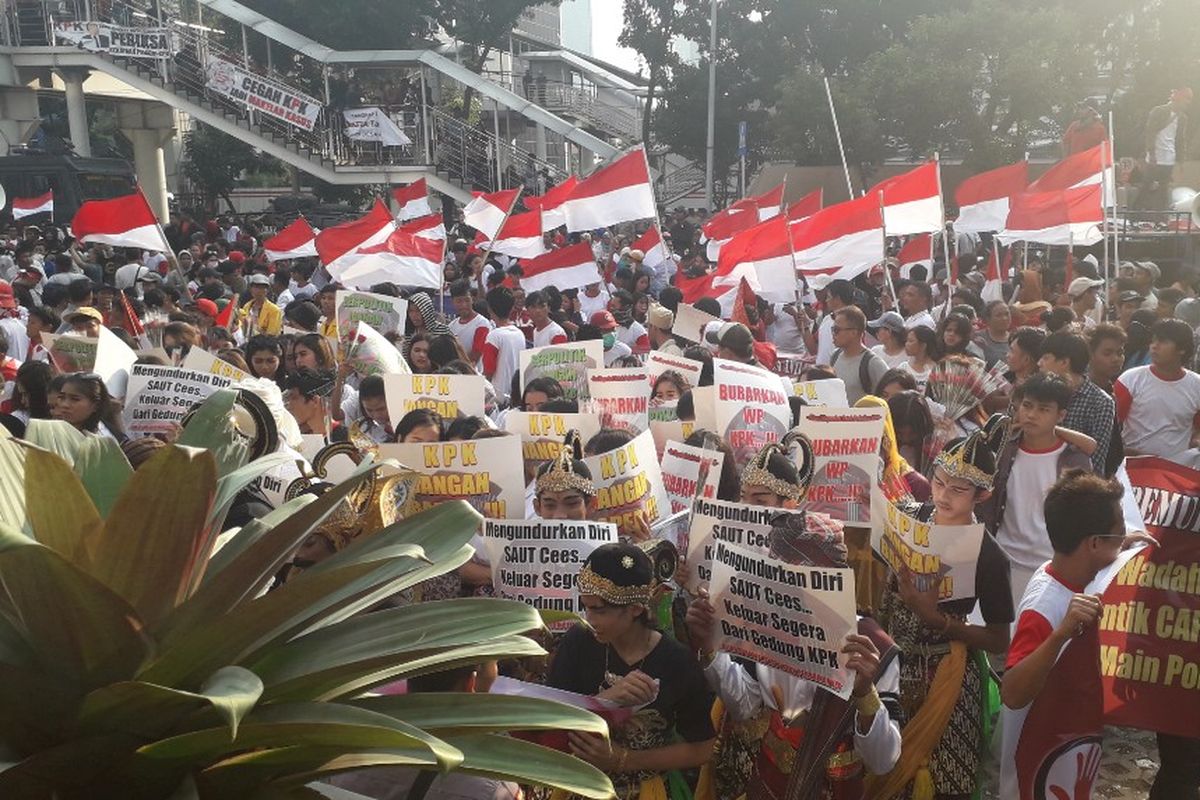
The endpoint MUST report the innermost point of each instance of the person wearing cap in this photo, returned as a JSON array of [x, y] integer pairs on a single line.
[[606, 325], [659, 322], [85, 321], [1145, 274], [890, 332], [260, 315], [1128, 302], [1166, 137], [1082, 292]]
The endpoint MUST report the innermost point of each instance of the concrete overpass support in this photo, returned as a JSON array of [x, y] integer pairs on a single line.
[[77, 121], [149, 127], [18, 115]]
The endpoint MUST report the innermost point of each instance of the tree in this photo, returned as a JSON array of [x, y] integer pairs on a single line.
[[353, 24], [802, 126], [650, 29], [213, 161]]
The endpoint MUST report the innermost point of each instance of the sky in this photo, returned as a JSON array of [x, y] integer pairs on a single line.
[[607, 20]]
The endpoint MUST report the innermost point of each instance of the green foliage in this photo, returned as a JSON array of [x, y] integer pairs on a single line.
[[214, 160], [650, 28]]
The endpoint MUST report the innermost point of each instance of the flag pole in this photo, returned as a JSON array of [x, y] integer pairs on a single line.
[[488, 253], [1116, 254], [658, 217], [171, 259], [1105, 156], [951, 278], [837, 130], [887, 272]]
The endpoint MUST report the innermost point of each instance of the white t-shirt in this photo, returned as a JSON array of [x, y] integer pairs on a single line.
[[921, 377], [892, 361], [551, 334], [505, 345], [784, 333], [1022, 532], [590, 305], [615, 353], [825, 346], [1157, 415], [632, 335], [1164, 143], [465, 332], [126, 276]]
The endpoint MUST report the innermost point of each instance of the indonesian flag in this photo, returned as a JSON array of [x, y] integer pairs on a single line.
[[770, 203], [1069, 217], [132, 324], [338, 246], [28, 206], [695, 288], [652, 245], [486, 212], [521, 237], [763, 256], [917, 250], [619, 192], [983, 199], [727, 223], [806, 206], [912, 202], [550, 204], [567, 268], [1087, 168], [297, 240], [842, 241], [123, 221], [402, 259], [413, 200], [431, 226]]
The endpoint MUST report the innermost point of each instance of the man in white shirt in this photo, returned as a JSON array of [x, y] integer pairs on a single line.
[[470, 328], [1166, 140], [592, 298], [126, 276], [1158, 405], [503, 345], [838, 295], [915, 300], [545, 330]]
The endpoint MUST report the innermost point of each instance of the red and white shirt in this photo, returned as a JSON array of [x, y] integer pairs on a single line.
[[634, 336], [1158, 414], [551, 334], [472, 333], [502, 358]]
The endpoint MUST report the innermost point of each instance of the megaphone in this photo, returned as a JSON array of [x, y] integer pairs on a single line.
[[1187, 201]]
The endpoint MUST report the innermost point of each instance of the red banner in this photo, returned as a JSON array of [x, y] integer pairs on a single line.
[[1150, 631]]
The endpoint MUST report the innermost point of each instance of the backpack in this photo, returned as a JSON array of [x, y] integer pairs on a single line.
[[864, 368]]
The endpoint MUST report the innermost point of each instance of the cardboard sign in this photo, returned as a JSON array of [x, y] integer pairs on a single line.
[[566, 363], [158, 398], [480, 471], [690, 322], [101, 37], [452, 396], [716, 520], [704, 401], [681, 473], [542, 434], [261, 93], [369, 353], [846, 444], [657, 363], [620, 397], [941, 554], [383, 313], [827, 392], [751, 408], [106, 355], [200, 360], [669, 431], [629, 484], [537, 561], [792, 365], [373, 125], [792, 618]]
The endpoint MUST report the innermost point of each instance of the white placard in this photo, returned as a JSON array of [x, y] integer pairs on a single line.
[[263, 94], [369, 353], [542, 434], [658, 362], [690, 322], [846, 445], [200, 360], [629, 483], [827, 392], [716, 520], [382, 312], [452, 396], [566, 363], [620, 397], [480, 471], [373, 125], [750, 406], [158, 398], [681, 465], [945, 554]]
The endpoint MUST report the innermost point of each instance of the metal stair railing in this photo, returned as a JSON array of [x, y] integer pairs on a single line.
[[467, 155], [582, 103]]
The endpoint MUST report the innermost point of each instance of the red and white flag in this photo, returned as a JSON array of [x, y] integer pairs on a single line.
[[297, 240], [652, 245], [550, 203], [338, 246], [912, 202], [486, 212], [123, 221], [1068, 217], [567, 268], [402, 259], [521, 237], [842, 241], [1086, 168], [770, 203], [431, 226], [983, 199], [28, 206], [806, 206], [993, 286], [413, 200], [727, 223], [763, 256], [918, 250], [619, 192]]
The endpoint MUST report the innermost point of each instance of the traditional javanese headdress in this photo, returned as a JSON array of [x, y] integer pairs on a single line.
[[620, 574], [961, 459], [567, 471], [797, 449]]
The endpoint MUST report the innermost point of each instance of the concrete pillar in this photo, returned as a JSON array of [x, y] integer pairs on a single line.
[[73, 79], [150, 167], [19, 114], [539, 147]]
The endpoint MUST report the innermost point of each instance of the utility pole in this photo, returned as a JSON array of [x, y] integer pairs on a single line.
[[712, 101]]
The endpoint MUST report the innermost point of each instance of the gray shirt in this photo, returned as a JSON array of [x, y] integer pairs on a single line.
[[847, 368]]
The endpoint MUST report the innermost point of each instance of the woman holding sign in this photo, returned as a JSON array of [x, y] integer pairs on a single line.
[[621, 657]]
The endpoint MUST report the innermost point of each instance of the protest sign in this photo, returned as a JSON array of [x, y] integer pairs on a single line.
[[106, 355], [101, 37], [158, 398], [1150, 629], [369, 353], [452, 396], [271, 486], [620, 397], [542, 434], [261, 93], [201, 360], [792, 365], [945, 554], [664, 431], [70, 353], [827, 392], [673, 529], [480, 471], [629, 483], [704, 402], [566, 363], [658, 362], [662, 411], [373, 125], [690, 322], [716, 520], [537, 561], [846, 445], [792, 618], [751, 409], [680, 465], [383, 313]]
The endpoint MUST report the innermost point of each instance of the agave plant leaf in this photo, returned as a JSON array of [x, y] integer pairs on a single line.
[[494, 756], [150, 711], [12, 485], [291, 724], [211, 427], [60, 511], [56, 435], [330, 658], [229, 485], [66, 769], [37, 707], [457, 713], [103, 469], [151, 543], [79, 629]]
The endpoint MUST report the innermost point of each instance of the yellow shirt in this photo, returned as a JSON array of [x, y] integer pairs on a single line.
[[270, 318]]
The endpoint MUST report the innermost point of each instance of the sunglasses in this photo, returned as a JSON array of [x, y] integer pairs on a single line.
[[837, 329]]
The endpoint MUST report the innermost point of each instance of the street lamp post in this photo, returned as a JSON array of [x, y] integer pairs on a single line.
[[712, 101]]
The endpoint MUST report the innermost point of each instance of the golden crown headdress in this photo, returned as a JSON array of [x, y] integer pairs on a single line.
[[757, 472], [956, 460], [560, 474]]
